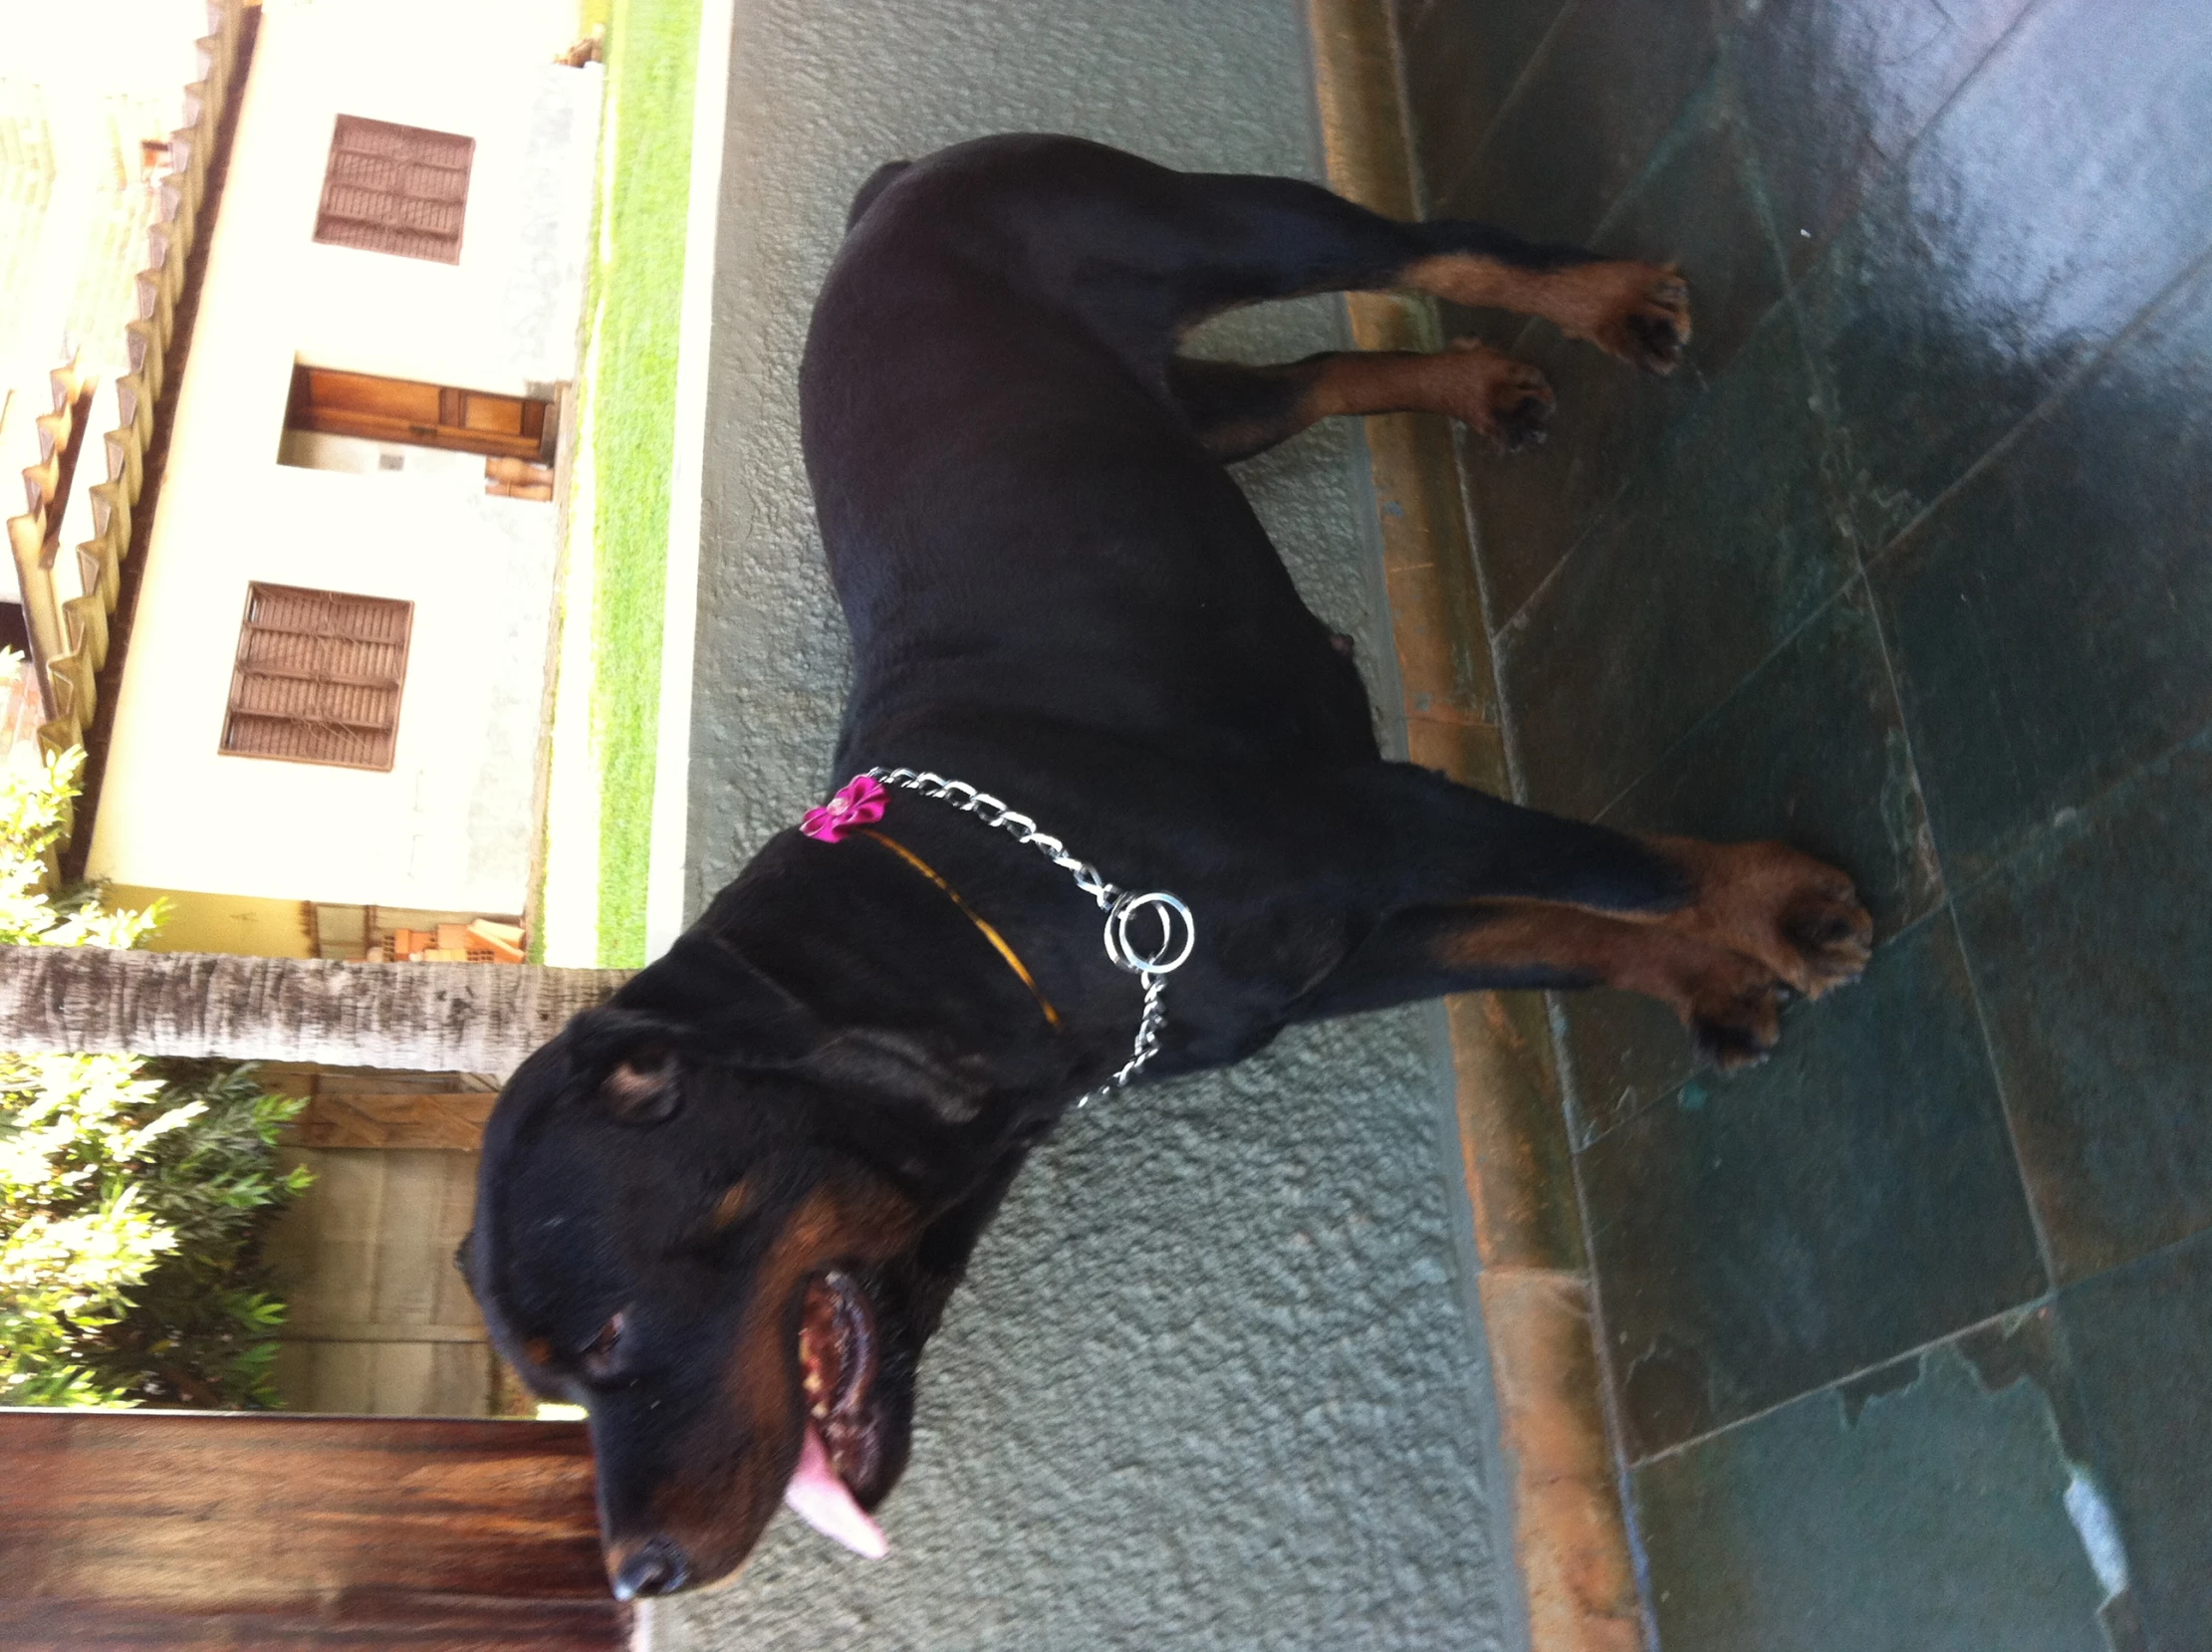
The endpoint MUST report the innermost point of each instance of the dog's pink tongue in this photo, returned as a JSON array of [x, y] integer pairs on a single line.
[[817, 1496]]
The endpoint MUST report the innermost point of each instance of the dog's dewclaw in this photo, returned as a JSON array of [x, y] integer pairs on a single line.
[[817, 1496]]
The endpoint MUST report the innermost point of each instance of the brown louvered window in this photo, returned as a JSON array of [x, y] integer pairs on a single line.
[[317, 677], [395, 189]]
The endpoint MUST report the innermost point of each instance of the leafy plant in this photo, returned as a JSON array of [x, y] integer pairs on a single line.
[[134, 1195]]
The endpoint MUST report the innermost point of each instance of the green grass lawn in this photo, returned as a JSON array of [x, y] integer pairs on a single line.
[[619, 528]]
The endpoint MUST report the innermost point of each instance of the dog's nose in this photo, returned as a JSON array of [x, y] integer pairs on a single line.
[[654, 1566]]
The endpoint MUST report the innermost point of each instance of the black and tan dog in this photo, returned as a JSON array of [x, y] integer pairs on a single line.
[[725, 1212]]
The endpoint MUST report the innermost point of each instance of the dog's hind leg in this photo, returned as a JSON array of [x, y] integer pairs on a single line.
[[1144, 252], [1276, 238], [1239, 410], [1640, 313]]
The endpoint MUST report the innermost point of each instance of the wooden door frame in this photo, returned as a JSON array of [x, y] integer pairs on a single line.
[[450, 429]]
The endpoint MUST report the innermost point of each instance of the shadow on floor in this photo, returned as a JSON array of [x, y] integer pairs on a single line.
[[1909, 1331]]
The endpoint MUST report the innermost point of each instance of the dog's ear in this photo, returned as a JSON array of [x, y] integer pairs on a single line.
[[642, 1087], [885, 1064], [731, 1012]]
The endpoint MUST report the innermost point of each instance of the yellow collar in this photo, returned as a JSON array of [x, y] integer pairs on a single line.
[[982, 925]]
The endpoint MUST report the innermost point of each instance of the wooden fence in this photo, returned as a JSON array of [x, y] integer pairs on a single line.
[[208, 1533]]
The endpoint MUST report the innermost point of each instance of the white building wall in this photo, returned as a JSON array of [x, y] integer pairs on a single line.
[[449, 826]]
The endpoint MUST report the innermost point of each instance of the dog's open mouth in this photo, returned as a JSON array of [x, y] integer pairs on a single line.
[[843, 1443]]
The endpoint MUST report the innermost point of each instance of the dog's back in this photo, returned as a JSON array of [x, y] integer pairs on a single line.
[[1018, 518]]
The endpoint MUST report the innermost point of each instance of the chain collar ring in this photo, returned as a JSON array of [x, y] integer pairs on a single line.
[[1178, 928]]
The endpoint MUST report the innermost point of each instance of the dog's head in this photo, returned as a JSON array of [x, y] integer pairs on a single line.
[[727, 1229]]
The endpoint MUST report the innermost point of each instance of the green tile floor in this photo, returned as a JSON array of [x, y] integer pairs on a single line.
[[1910, 1332]]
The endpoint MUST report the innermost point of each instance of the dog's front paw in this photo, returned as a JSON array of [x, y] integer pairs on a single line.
[[1798, 916], [1829, 930], [1507, 401], [1643, 316], [1734, 1015]]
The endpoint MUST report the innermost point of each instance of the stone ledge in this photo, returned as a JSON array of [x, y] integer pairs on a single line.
[[1570, 1533]]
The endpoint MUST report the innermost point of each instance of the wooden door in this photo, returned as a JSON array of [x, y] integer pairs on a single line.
[[193, 1531], [420, 415]]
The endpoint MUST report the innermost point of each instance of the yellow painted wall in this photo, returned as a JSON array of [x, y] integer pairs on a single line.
[[252, 925]]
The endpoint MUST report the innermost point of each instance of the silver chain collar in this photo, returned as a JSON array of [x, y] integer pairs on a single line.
[[1178, 929]]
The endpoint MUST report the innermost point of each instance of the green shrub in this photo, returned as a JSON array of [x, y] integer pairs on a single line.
[[134, 1195]]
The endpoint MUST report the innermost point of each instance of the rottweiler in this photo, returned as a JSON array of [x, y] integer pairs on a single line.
[[726, 1211]]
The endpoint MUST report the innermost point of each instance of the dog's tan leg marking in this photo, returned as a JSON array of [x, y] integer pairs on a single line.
[[1507, 401], [1798, 916], [1731, 1002], [1637, 312]]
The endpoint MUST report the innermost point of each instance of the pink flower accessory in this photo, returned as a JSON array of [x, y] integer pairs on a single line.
[[858, 803]]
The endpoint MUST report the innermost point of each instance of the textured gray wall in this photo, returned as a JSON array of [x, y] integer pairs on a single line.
[[1214, 1381]]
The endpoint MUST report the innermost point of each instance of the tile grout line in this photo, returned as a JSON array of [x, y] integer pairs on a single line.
[[1951, 897], [1788, 301], [1601, 511], [1894, 168], [1610, 1420], [1718, 84], [1475, 150], [1612, 1423], [1609, 1391], [1700, 1072], [2093, 801], [2046, 1251], [1820, 612], [1509, 726], [2000, 448], [1866, 562], [1890, 552], [1713, 86], [1891, 164], [1919, 1350], [1746, 157], [1789, 289], [1828, 420]]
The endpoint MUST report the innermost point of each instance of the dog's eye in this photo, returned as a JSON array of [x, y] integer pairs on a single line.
[[730, 1206], [642, 1089], [601, 1356]]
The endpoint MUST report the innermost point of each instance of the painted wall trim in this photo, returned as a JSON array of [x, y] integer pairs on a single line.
[[667, 856]]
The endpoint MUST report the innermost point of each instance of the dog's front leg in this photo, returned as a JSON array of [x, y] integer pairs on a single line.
[[1729, 1002], [1473, 892]]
